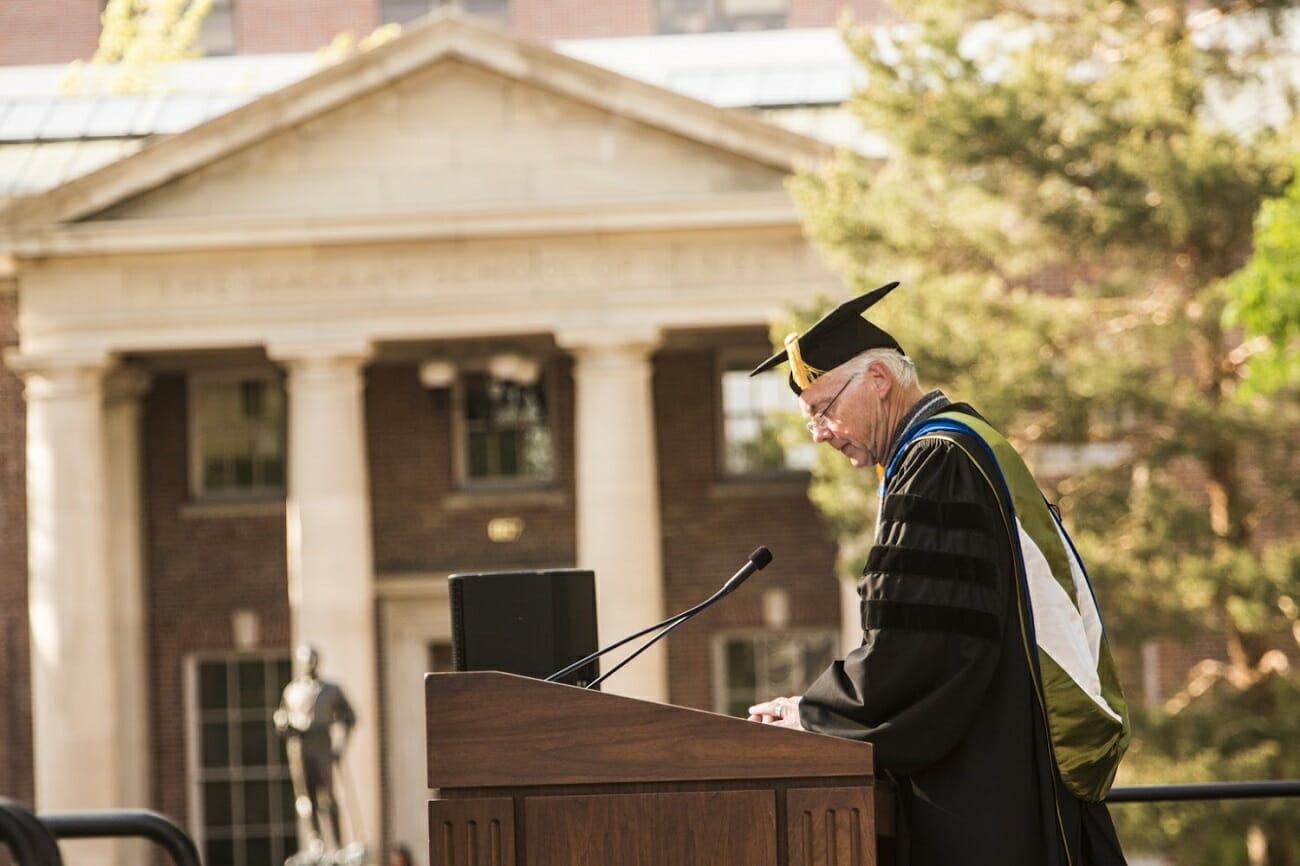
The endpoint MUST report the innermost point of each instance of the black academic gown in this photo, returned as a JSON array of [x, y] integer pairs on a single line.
[[941, 686]]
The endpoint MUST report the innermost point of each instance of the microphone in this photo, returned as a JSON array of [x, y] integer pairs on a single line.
[[757, 560]]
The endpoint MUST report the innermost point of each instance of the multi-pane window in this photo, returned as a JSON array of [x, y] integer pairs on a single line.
[[700, 16], [217, 31], [758, 666], [507, 431], [402, 11], [216, 34], [242, 792], [761, 432], [237, 426]]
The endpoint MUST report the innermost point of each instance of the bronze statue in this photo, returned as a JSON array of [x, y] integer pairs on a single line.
[[316, 720]]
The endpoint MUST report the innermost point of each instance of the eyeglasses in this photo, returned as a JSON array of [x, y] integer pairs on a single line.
[[819, 421]]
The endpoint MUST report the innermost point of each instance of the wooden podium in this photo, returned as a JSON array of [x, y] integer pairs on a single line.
[[531, 773]]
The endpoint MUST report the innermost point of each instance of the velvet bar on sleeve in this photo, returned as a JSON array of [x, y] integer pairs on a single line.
[[932, 607]]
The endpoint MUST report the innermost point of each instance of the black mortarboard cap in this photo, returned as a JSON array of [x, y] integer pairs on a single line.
[[835, 338]]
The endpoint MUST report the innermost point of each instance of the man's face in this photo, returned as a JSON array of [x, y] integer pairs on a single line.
[[846, 411]]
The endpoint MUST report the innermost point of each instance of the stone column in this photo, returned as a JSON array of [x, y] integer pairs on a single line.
[[331, 570], [124, 389], [77, 699], [617, 480]]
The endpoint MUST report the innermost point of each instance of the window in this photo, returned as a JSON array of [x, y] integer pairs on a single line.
[[507, 431], [217, 31], [240, 788], [402, 11], [757, 666], [216, 34], [699, 16], [761, 430], [237, 426]]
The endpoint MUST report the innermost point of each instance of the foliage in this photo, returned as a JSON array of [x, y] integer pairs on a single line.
[[1069, 188], [137, 40], [345, 44], [1221, 727], [1265, 295]]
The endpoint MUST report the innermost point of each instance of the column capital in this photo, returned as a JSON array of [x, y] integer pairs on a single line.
[[325, 352], [127, 382], [27, 364], [62, 374], [609, 339]]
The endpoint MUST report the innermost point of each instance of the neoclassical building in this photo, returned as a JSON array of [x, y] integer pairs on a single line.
[[458, 303]]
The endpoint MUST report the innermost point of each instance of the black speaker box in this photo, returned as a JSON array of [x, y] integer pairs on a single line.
[[524, 622]]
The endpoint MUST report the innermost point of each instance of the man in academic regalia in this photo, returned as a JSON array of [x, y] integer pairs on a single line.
[[983, 681], [315, 718]]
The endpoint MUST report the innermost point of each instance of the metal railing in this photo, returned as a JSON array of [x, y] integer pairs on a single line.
[[33, 839], [1205, 791]]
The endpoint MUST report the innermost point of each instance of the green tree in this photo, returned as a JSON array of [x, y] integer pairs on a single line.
[[1264, 296], [1068, 188], [138, 38]]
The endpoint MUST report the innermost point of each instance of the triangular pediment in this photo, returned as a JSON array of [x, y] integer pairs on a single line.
[[453, 116]]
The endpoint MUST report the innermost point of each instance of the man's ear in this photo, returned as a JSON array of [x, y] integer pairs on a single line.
[[879, 378]]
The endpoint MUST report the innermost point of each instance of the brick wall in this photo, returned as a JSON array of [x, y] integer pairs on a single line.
[[59, 31], [544, 20], [422, 521], [711, 525], [206, 563], [48, 31], [202, 566], [268, 26], [15, 666]]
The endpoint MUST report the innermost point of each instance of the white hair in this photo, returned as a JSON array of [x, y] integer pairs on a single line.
[[899, 365]]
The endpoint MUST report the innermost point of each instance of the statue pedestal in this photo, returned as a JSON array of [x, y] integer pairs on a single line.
[[353, 854]]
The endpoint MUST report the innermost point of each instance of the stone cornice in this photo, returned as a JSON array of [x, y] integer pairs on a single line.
[[371, 294], [88, 362], [741, 210]]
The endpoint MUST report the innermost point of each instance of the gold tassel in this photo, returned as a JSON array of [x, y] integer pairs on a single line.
[[802, 374]]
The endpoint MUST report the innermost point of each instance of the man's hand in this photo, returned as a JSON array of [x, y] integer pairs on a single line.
[[782, 712]]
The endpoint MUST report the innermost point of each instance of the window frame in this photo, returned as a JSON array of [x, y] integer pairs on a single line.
[[382, 16], [546, 378], [718, 653], [728, 360], [232, 20], [501, 15], [718, 20], [273, 377], [197, 775]]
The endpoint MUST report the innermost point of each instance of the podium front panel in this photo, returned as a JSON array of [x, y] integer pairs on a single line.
[[831, 826], [683, 829], [472, 832], [540, 774]]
